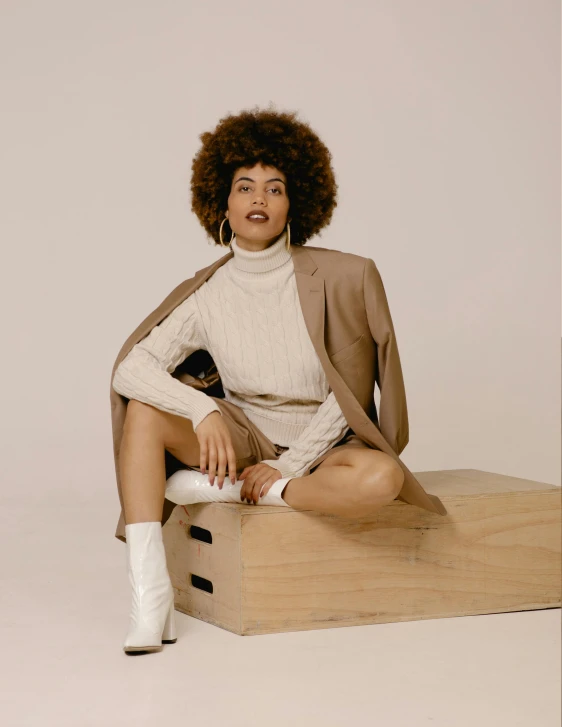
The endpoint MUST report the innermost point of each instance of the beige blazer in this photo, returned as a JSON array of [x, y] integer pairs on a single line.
[[346, 312]]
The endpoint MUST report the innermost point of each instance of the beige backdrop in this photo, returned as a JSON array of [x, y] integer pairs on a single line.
[[444, 123]]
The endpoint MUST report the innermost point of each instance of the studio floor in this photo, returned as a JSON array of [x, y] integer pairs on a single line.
[[65, 608]]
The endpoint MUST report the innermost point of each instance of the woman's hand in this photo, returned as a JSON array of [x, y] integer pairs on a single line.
[[255, 477], [216, 445]]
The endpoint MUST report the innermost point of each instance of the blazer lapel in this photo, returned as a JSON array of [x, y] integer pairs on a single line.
[[312, 295]]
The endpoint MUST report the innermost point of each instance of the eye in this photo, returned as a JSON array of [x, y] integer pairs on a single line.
[[273, 189]]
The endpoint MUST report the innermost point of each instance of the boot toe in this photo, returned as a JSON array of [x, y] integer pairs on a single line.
[[143, 640]]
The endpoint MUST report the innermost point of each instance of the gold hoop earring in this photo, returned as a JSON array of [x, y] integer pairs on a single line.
[[232, 236], [220, 234]]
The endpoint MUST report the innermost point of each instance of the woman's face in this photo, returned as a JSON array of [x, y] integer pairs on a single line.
[[257, 189]]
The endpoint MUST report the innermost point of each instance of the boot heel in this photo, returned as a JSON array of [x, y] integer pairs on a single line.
[[169, 632]]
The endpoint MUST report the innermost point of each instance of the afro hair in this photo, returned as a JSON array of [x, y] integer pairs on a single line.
[[275, 139]]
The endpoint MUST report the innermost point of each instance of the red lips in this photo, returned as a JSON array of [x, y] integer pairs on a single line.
[[256, 212]]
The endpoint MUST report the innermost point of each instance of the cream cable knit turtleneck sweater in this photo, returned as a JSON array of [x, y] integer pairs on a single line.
[[247, 315]]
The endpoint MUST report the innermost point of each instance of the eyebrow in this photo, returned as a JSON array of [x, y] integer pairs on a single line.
[[274, 179]]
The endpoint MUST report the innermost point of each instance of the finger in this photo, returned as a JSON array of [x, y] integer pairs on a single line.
[[243, 490], [212, 461], [231, 463], [244, 475], [203, 456], [255, 486], [260, 482], [246, 487], [222, 465], [253, 496], [252, 479]]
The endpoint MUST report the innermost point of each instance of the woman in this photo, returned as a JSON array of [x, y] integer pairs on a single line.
[[265, 178]]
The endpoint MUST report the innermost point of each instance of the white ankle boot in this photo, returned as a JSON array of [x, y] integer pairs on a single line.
[[188, 486], [152, 621]]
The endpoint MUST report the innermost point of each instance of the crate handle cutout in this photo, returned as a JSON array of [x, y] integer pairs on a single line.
[[202, 534], [201, 583]]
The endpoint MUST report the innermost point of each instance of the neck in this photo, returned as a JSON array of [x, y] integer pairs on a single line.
[[261, 261]]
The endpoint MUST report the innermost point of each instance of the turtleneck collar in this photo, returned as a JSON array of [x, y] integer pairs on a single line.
[[264, 260]]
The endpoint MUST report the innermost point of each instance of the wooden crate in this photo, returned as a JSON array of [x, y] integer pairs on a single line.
[[260, 569]]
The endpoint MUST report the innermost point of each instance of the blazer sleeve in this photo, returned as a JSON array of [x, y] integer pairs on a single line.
[[393, 414], [145, 373]]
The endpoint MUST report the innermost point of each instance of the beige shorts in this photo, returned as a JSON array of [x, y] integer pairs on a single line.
[[252, 446]]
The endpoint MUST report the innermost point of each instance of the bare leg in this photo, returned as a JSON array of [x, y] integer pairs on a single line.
[[142, 472], [147, 433], [351, 483]]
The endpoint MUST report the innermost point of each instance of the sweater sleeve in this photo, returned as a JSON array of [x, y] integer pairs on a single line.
[[326, 428], [145, 373]]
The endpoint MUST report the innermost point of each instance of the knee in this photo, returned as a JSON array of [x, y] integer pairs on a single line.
[[140, 414], [383, 484]]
